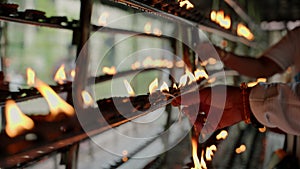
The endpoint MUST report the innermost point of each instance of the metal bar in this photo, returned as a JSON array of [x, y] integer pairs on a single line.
[[72, 156], [36, 23], [204, 24], [238, 9], [128, 32], [103, 78]]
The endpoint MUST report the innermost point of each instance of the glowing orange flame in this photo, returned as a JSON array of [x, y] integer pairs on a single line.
[[222, 135], [199, 74], [220, 16], [135, 65], [240, 149], [30, 77], [212, 61], [251, 84], [60, 75], [56, 103], [110, 71], [73, 73], [209, 152], [175, 86], [157, 32], [195, 154], [188, 4], [213, 15], [164, 87], [153, 86], [226, 22], [87, 98], [211, 80], [102, 21], [202, 162], [183, 80], [16, 121], [243, 31], [148, 62], [128, 88], [179, 63], [191, 77], [262, 130], [148, 27]]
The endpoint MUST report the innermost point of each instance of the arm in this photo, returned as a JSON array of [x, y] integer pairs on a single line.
[[252, 67], [274, 105]]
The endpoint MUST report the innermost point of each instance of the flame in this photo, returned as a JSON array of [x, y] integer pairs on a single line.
[[164, 87], [183, 80], [213, 15], [219, 16], [199, 74], [148, 62], [87, 98], [222, 135], [153, 86], [191, 77], [56, 104], [30, 77], [129, 88], [147, 28], [189, 5], [211, 80], [195, 155], [109, 71], [203, 164], [175, 86], [243, 31], [226, 23], [60, 75], [204, 63], [157, 32], [262, 129], [179, 63], [251, 84], [209, 152], [136, 65], [16, 121], [102, 21], [240, 149], [73, 73]]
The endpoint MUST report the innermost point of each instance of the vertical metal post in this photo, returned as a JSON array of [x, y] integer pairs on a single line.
[[82, 61]]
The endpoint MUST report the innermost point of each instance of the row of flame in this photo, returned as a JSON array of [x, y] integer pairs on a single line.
[[17, 122], [216, 16]]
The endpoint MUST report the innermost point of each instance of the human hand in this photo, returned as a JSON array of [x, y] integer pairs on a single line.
[[213, 108]]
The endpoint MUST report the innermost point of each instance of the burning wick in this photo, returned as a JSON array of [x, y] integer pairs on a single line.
[[56, 103], [60, 76], [164, 87], [243, 31], [16, 121], [195, 154], [87, 98], [109, 71], [30, 76], [153, 86], [129, 88]]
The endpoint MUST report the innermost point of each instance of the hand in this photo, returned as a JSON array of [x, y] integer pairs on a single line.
[[213, 108]]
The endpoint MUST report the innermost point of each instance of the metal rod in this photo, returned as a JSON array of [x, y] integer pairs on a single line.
[[128, 32], [204, 24]]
